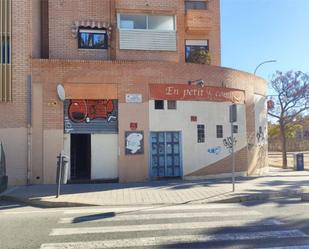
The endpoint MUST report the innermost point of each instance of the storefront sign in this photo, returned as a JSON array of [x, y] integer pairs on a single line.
[[187, 92], [134, 98], [134, 142]]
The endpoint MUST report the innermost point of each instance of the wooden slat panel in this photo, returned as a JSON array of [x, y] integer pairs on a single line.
[[90, 91], [198, 21]]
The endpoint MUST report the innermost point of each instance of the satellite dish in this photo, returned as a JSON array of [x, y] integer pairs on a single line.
[[61, 92]]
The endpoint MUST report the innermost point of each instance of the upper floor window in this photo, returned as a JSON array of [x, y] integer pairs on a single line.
[[201, 133], [219, 131], [171, 104], [92, 38], [144, 22], [235, 129], [196, 5], [159, 104], [5, 51], [197, 51]]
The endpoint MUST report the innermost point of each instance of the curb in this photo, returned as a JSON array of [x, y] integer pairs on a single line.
[[261, 196], [42, 203], [51, 204]]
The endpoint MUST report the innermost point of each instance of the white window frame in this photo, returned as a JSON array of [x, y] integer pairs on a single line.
[[197, 43], [147, 17]]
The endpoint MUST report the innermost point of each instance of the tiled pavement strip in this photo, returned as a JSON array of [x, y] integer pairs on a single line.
[[276, 183]]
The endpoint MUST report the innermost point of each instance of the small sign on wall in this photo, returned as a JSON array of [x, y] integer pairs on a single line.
[[193, 118], [134, 142], [133, 126], [134, 98]]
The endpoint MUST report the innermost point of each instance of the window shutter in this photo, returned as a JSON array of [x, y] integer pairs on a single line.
[[5, 51]]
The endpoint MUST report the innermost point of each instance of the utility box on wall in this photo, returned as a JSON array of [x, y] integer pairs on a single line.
[[233, 113]]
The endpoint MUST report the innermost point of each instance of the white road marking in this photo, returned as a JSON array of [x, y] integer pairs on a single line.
[[125, 217], [170, 240], [154, 208], [287, 247], [10, 206], [167, 226]]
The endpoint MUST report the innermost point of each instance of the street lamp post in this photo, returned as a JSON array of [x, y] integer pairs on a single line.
[[262, 63]]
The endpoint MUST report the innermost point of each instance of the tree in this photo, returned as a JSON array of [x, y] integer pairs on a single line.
[[291, 130], [290, 101]]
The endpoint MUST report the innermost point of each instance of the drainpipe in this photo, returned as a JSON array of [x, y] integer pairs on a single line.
[[29, 128]]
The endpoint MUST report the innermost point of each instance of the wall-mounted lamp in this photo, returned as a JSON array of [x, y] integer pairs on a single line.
[[199, 82]]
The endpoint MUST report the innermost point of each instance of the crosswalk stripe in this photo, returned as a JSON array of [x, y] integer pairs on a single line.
[[153, 208], [169, 240], [167, 226], [125, 217], [287, 247]]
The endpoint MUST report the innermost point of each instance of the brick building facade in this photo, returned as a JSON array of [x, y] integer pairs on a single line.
[[129, 113]]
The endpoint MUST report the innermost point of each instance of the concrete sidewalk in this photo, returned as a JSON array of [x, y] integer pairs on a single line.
[[277, 183]]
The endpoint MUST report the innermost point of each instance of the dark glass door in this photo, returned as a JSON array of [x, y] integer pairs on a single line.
[[165, 154]]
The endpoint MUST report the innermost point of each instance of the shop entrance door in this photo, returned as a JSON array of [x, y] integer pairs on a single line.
[[165, 158], [80, 156]]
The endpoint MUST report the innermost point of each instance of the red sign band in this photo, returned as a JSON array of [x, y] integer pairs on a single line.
[[197, 93]]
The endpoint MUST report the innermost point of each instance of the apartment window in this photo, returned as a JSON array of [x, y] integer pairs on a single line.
[[235, 129], [5, 51], [92, 38], [171, 104], [196, 5], [219, 131], [197, 51], [201, 133], [145, 22], [159, 104], [147, 32]]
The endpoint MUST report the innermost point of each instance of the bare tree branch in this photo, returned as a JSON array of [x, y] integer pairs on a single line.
[[292, 100]]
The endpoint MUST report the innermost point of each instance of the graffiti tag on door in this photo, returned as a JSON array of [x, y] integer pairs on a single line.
[[81, 111]]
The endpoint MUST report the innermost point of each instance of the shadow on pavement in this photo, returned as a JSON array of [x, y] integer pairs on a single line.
[[93, 217]]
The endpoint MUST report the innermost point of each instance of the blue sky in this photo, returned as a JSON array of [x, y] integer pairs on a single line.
[[253, 31]]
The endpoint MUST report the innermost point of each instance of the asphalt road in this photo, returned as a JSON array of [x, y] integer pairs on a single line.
[[282, 224]]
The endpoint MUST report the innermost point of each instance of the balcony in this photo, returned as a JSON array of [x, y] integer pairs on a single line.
[[198, 22]]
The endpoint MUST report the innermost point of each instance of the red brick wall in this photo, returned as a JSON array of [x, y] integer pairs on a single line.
[[13, 113], [25, 44], [63, 13], [132, 77]]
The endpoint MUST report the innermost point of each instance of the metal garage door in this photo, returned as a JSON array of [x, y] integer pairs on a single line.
[[165, 157]]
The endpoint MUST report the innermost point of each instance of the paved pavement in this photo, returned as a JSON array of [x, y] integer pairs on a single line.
[[277, 183]]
